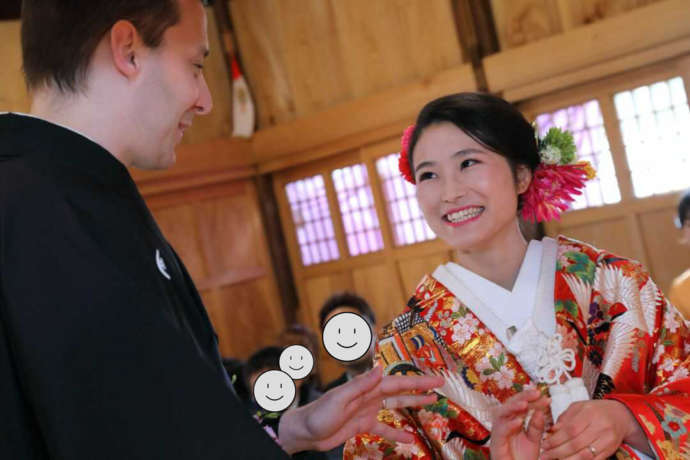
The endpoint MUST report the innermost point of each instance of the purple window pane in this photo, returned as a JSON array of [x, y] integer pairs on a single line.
[[357, 220], [329, 228], [314, 251], [394, 211], [585, 146], [593, 114], [323, 250], [404, 210], [399, 235], [560, 118], [362, 241], [371, 240], [318, 227], [347, 223], [352, 244], [409, 233], [333, 247], [419, 230], [309, 227], [318, 182], [544, 120], [306, 257], [358, 175], [398, 187], [301, 237], [367, 219], [379, 240], [577, 117]]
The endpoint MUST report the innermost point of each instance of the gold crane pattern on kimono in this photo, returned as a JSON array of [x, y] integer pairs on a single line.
[[630, 344]]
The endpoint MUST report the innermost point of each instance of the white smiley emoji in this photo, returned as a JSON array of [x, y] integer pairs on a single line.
[[274, 391], [296, 361], [347, 336]]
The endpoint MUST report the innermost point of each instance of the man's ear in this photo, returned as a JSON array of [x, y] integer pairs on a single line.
[[126, 47], [524, 177]]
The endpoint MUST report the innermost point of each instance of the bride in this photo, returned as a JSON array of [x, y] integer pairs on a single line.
[[552, 349]]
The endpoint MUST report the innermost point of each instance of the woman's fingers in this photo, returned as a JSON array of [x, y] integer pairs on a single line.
[[393, 434], [396, 402]]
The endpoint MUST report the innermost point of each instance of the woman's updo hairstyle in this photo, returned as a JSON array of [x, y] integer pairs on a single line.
[[489, 120]]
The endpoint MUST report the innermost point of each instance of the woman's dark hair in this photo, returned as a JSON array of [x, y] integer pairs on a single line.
[[59, 37], [683, 209], [489, 120]]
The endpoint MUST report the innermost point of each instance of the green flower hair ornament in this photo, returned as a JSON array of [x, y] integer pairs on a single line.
[[557, 147]]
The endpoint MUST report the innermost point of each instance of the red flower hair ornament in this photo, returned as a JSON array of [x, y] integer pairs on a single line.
[[558, 178]]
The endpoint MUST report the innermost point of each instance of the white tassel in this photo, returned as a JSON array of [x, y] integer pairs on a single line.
[[243, 116]]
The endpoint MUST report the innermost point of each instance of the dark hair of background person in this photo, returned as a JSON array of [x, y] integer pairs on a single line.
[[299, 334], [59, 38], [346, 299], [683, 209], [264, 358], [491, 121], [234, 368]]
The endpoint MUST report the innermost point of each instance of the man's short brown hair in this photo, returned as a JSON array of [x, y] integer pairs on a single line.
[[60, 37]]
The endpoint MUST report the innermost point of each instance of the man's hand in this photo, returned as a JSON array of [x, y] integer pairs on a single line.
[[594, 430], [351, 409], [511, 439]]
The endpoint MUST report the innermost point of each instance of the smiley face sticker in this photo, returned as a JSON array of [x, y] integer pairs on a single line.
[[296, 361], [274, 391], [347, 336]]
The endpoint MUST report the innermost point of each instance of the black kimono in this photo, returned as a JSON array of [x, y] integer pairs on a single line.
[[106, 351]]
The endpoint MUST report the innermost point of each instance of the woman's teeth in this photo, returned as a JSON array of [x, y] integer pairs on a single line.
[[465, 214]]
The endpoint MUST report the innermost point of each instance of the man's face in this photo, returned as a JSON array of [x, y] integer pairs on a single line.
[[172, 89], [369, 354]]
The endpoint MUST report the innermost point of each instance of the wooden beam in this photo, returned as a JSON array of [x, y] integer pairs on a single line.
[[590, 45], [364, 114]]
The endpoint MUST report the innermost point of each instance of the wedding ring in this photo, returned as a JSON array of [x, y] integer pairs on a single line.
[[592, 450]]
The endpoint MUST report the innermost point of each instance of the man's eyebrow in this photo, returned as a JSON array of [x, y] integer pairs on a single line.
[[467, 151]]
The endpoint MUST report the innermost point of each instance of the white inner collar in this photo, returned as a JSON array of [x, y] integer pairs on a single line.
[[498, 308]]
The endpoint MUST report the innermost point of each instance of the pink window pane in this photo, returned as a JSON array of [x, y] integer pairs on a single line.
[[587, 125], [655, 126], [356, 202], [312, 219], [406, 218]]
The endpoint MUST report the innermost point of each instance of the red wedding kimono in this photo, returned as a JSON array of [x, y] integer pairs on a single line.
[[630, 345]]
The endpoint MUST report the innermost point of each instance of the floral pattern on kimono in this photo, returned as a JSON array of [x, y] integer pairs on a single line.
[[630, 344]]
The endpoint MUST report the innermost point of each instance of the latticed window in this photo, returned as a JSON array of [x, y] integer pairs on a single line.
[[406, 218], [587, 125], [312, 219], [357, 209], [655, 127]]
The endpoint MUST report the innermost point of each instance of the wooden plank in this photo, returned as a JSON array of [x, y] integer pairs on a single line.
[[519, 22], [588, 45], [613, 235], [306, 56], [230, 277], [412, 270], [380, 286], [589, 73], [351, 118], [13, 94], [667, 257]]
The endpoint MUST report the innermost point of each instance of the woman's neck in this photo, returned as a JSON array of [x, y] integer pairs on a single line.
[[500, 261]]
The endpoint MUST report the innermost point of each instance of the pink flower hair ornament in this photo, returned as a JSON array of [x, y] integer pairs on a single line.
[[555, 181], [557, 178], [404, 157]]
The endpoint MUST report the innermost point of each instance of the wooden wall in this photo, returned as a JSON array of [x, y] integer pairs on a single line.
[[13, 95], [304, 56]]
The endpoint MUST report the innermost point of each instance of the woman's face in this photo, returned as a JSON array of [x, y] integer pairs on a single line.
[[468, 194]]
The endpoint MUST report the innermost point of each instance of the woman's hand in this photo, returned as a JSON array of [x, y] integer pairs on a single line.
[[594, 430], [352, 408], [510, 439]]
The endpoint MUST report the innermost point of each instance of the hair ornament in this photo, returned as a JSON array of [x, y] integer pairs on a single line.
[[557, 178], [404, 157]]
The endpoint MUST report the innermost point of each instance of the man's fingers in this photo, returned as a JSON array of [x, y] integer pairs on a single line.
[[572, 445], [361, 385], [395, 384], [396, 402], [536, 426], [392, 434]]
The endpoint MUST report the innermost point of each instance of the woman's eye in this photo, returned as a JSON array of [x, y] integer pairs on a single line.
[[467, 163], [426, 175]]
